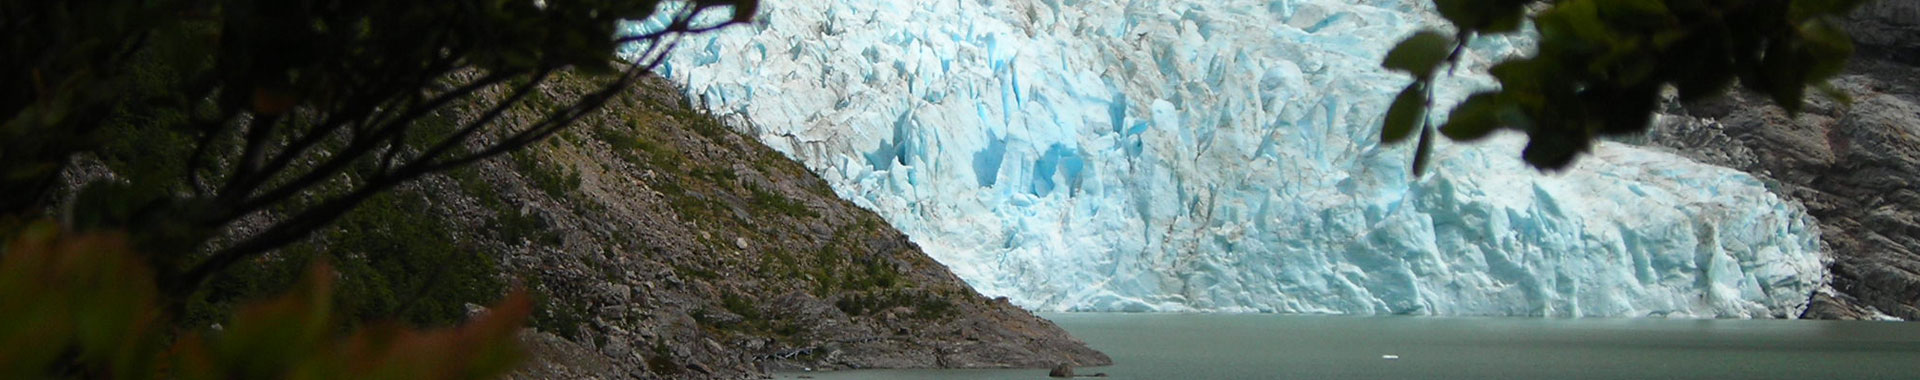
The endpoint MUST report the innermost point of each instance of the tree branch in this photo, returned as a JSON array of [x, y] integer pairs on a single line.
[[259, 130], [681, 24], [356, 149], [460, 136], [547, 127], [279, 235]]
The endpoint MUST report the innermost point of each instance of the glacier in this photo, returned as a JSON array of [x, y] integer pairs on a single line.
[[1110, 155]]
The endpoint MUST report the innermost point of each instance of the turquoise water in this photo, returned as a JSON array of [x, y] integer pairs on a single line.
[[1265, 346]]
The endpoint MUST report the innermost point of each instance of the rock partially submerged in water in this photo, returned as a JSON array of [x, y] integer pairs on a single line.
[[1066, 370], [1062, 370]]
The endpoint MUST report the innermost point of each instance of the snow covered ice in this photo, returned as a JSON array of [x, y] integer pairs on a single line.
[[1223, 155]]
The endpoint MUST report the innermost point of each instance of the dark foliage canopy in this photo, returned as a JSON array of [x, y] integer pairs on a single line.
[[1602, 64], [299, 108]]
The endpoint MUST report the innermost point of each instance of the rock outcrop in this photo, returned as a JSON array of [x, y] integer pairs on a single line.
[[1888, 28], [663, 245], [1855, 166]]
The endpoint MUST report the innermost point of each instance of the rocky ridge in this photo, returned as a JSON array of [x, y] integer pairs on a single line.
[[668, 246], [1856, 166]]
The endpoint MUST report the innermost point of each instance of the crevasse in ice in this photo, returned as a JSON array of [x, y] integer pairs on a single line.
[[1223, 155]]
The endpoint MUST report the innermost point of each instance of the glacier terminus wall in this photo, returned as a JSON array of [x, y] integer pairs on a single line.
[[1223, 155]]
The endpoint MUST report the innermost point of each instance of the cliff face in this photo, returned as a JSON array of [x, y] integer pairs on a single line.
[[666, 246], [1855, 166], [1889, 29]]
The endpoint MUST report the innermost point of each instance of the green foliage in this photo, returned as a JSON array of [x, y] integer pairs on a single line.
[[874, 274], [1601, 65], [1419, 54], [58, 86], [923, 304], [740, 305], [85, 306], [861, 273], [128, 146], [217, 111], [700, 188], [641, 146], [556, 315], [396, 261], [405, 263], [513, 226], [1496, 16], [1422, 153], [509, 224], [701, 122], [831, 268], [85, 295], [1473, 119], [1408, 110], [696, 272], [297, 115], [557, 182], [287, 337], [764, 199], [661, 361]]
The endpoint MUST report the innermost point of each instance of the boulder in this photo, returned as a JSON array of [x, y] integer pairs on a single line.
[[1062, 370]]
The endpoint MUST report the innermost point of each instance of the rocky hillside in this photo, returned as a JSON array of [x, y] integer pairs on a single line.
[[668, 246], [657, 243], [1855, 166]]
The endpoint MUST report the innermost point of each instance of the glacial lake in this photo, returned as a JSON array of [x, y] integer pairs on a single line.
[[1266, 346]]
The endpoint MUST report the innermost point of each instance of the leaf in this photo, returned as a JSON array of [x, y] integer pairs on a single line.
[[1789, 97], [1506, 19], [1834, 93], [291, 336], [87, 296], [1827, 47], [1572, 33], [1553, 150], [1641, 13], [1473, 119], [743, 11], [1422, 154], [1521, 76], [1783, 77], [1407, 110], [1629, 111], [1583, 17], [1419, 54], [1804, 10], [1482, 16], [1703, 68], [1465, 14]]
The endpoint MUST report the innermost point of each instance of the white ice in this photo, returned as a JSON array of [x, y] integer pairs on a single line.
[[1223, 155]]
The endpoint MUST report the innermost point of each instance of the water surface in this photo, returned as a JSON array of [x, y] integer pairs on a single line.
[[1266, 346]]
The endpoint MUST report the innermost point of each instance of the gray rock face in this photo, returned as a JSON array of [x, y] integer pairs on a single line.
[[684, 250], [1855, 167], [1888, 27]]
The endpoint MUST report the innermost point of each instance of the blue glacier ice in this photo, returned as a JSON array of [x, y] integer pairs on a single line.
[[1223, 155]]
